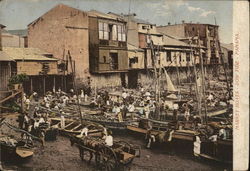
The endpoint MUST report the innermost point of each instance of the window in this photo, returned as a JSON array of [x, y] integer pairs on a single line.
[[133, 61], [113, 61], [104, 59], [169, 56], [114, 32], [188, 56], [106, 31], [212, 44], [112, 29], [103, 31], [148, 39], [121, 33]]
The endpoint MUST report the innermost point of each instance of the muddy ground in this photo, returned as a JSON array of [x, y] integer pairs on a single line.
[[59, 155]]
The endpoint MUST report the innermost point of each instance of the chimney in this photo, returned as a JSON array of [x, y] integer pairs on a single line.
[[169, 23], [183, 21]]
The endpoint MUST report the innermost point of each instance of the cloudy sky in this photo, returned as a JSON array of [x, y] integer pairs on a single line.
[[17, 14]]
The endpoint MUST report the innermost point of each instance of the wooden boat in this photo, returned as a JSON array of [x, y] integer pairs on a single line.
[[108, 122], [16, 150], [221, 150], [75, 127]]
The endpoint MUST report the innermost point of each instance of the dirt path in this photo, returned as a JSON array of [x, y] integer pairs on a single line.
[[59, 155]]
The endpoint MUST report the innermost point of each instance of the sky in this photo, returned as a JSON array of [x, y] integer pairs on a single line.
[[17, 14]]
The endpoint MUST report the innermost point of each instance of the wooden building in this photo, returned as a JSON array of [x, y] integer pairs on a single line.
[[40, 66], [208, 37], [5, 66], [108, 47], [170, 53]]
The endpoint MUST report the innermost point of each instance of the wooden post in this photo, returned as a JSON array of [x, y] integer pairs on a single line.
[[31, 84], [95, 90], [54, 83], [177, 69], [44, 85], [22, 102], [62, 83]]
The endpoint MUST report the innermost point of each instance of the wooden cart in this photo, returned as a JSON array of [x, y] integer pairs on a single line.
[[107, 158]]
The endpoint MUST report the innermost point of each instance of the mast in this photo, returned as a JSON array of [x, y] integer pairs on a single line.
[[203, 91], [196, 83], [225, 69], [74, 86]]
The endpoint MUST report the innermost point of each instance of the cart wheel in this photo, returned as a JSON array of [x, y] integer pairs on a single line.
[[107, 159]]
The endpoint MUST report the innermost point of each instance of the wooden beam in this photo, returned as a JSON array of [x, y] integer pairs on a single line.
[[11, 96]]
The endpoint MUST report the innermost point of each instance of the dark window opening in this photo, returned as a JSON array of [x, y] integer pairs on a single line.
[[188, 56], [104, 59], [169, 56], [133, 61], [113, 61]]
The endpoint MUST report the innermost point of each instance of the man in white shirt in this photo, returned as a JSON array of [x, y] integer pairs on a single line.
[[109, 139], [124, 95], [131, 108]]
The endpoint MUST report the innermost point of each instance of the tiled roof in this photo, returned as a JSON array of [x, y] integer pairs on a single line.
[[227, 46]]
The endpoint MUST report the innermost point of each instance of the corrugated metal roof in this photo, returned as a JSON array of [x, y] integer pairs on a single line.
[[168, 41], [5, 57], [2, 26], [31, 54], [227, 46], [95, 13], [23, 32]]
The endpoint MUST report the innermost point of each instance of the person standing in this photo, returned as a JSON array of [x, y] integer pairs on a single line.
[[175, 111]]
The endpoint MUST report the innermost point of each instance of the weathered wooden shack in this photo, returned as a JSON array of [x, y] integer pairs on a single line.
[[40, 66]]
